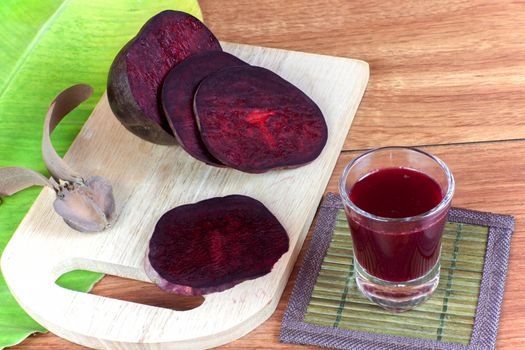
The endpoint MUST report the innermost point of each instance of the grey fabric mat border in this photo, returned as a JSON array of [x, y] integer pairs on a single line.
[[295, 330]]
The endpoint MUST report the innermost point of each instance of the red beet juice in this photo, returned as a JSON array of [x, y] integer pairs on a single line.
[[408, 250]]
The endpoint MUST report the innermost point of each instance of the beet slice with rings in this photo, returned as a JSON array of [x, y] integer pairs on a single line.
[[253, 120], [178, 90], [212, 245], [138, 70]]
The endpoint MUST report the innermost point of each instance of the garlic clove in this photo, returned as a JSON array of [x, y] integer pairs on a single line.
[[79, 210], [102, 194], [86, 206]]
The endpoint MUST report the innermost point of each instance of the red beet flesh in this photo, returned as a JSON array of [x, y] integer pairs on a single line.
[[139, 69], [178, 90], [253, 120], [212, 245]]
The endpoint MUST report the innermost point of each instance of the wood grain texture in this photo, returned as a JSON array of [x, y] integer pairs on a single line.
[[147, 181], [488, 178], [441, 71]]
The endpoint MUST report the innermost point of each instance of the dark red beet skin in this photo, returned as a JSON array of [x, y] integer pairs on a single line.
[[138, 70], [213, 245], [178, 90], [254, 121]]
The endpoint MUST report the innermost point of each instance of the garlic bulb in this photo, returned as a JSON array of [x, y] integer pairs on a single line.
[[85, 205]]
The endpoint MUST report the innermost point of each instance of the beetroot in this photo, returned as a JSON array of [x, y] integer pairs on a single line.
[[253, 120], [177, 98], [138, 70], [213, 245]]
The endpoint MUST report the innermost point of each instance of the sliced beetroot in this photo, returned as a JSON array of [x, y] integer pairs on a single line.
[[178, 90], [253, 120], [138, 70], [213, 245]]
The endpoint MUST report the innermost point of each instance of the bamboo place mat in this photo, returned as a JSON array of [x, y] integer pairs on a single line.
[[327, 309]]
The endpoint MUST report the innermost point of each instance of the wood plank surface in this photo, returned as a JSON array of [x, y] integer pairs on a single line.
[[442, 72], [489, 177]]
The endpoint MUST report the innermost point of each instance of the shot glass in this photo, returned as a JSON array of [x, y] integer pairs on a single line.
[[396, 201]]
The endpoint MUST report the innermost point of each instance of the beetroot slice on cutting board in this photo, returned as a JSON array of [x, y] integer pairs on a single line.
[[138, 70], [253, 120], [178, 90], [213, 245]]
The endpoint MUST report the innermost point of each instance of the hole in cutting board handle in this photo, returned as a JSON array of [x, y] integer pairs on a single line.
[[132, 291]]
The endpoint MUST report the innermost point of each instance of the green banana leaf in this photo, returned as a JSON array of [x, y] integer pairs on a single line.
[[46, 46]]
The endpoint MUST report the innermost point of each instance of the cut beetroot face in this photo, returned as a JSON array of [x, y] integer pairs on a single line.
[[178, 90], [253, 120], [139, 69], [213, 245]]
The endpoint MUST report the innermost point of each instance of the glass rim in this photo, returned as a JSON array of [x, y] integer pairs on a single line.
[[440, 206]]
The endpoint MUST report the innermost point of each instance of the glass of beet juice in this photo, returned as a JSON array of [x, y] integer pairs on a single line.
[[396, 201]]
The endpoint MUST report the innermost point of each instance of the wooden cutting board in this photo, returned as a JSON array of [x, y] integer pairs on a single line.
[[148, 180]]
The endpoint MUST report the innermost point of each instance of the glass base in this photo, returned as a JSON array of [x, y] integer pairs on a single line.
[[396, 296]]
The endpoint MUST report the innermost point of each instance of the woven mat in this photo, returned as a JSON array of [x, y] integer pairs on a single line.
[[327, 309]]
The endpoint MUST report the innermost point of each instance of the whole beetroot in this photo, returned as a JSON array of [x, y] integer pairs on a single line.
[[138, 70]]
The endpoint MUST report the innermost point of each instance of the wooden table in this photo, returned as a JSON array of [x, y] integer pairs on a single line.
[[445, 75]]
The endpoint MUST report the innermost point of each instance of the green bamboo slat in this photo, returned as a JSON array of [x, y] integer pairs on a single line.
[[428, 325], [472, 272], [462, 278], [459, 296], [330, 273], [368, 310], [423, 327], [343, 251], [342, 239], [369, 313], [380, 327], [476, 234], [346, 241], [446, 245], [340, 254], [447, 316], [403, 332], [364, 328], [339, 257], [431, 306], [472, 232], [466, 242], [465, 301], [465, 261], [464, 293], [332, 279], [459, 320], [342, 235], [467, 266], [419, 332], [470, 235]]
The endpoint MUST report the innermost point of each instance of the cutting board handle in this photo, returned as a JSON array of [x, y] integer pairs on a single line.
[[92, 318]]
